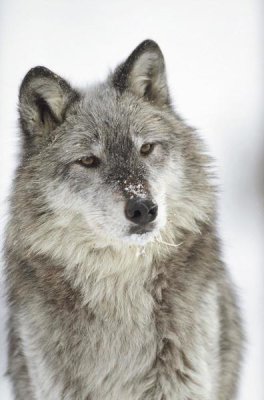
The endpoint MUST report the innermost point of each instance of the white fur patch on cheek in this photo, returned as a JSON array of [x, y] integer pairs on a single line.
[[162, 210], [159, 197], [105, 223]]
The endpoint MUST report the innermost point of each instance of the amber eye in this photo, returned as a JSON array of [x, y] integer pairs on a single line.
[[146, 148], [89, 162]]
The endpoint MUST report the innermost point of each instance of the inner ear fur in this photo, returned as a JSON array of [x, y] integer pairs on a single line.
[[144, 74], [43, 100]]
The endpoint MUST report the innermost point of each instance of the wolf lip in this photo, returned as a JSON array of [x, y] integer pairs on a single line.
[[140, 230]]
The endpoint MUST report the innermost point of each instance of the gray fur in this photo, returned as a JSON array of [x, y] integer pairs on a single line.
[[95, 311]]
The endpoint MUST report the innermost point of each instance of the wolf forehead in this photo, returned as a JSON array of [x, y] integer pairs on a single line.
[[106, 116]]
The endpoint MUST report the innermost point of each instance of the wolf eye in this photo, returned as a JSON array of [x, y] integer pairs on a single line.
[[89, 162], [146, 149]]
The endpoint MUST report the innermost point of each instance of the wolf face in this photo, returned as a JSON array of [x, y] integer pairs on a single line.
[[112, 161], [113, 154]]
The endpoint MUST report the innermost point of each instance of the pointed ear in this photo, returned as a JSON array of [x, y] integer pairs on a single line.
[[144, 74], [43, 100]]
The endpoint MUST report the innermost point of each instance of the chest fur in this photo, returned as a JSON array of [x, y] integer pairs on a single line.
[[104, 345]]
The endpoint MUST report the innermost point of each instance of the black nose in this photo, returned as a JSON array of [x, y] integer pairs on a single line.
[[141, 211]]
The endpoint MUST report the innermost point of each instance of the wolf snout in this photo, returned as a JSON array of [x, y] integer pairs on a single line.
[[141, 211]]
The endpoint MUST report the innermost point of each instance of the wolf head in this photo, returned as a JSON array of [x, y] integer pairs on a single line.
[[115, 156]]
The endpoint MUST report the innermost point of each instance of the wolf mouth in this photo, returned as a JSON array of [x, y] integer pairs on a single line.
[[141, 230]]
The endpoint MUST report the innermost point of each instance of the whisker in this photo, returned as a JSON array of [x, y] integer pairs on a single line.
[[169, 244]]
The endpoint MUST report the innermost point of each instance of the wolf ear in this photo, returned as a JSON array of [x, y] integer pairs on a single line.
[[43, 100], [144, 74]]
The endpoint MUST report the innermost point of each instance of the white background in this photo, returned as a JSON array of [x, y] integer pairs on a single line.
[[213, 51]]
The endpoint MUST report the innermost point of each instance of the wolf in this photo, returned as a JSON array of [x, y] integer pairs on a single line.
[[115, 280]]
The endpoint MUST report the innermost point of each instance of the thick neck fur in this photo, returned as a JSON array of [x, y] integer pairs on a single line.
[[111, 279]]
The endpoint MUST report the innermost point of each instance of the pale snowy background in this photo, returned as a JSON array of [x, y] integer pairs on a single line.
[[213, 50]]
